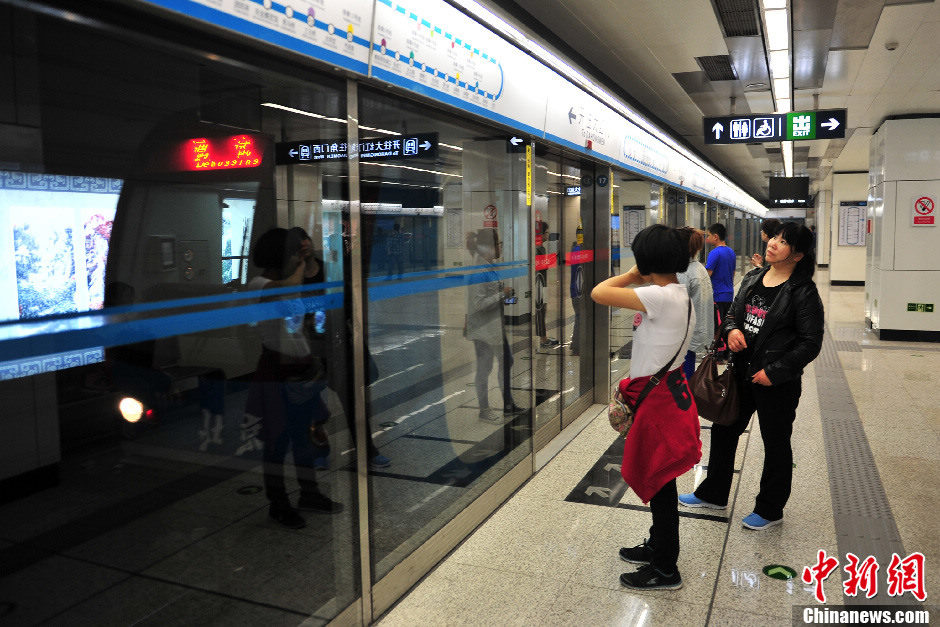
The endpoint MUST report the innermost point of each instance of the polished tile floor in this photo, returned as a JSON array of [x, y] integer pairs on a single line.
[[544, 558]]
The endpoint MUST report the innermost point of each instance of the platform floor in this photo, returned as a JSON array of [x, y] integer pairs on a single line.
[[866, 446]]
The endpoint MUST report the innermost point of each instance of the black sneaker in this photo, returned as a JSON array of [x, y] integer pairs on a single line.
[[287, 516], [317, 502], [514, 410], [648, 578], [640, 554]]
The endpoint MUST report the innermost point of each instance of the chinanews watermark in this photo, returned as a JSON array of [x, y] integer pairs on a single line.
[[902, 576], [867, 615]]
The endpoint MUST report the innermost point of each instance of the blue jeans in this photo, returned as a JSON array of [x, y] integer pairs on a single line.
[[688, 366]]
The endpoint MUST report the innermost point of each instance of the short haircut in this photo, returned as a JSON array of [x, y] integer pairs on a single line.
[[270, 249], [486, 236], [295, 236], [660, 249], [800, 240], [695, 237], [719, 229], [770, 226]]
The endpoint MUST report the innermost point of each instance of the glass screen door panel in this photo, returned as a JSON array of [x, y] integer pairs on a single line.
[[579, 278], [550, 186]]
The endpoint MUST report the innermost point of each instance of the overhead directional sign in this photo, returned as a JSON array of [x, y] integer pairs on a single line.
[[393, 148], [775, 127], [516, 144]]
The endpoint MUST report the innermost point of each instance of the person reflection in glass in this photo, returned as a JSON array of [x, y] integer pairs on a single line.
[[285, 391], [485, 325]]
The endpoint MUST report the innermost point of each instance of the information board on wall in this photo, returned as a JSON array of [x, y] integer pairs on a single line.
[[852, 222], [633, 223]]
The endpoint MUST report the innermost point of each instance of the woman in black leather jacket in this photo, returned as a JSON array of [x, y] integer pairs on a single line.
[[774, 328]]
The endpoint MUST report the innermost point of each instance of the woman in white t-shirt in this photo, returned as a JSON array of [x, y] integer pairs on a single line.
[[663, 442]]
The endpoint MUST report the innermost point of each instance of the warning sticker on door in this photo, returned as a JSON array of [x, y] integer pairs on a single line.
[[924, 210]]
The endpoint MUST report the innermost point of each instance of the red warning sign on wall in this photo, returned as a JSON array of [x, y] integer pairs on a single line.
[[924, 211], [489, 217]]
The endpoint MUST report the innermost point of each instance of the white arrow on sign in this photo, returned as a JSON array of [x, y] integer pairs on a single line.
[[292, 152], [831, 124], [605, 492], [426, 145], [515, 141], [717, 129]]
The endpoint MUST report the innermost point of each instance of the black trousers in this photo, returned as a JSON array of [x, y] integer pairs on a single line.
[[719, 314], [664, 534], [776, 410]]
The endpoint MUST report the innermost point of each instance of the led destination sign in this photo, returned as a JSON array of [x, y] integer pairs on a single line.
[[415, 146], [775, 127], [220, 153]]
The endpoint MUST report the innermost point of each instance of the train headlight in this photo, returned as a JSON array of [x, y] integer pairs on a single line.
[[131, 409]]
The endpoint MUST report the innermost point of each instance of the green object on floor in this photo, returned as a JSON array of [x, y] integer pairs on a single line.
[[776, 571]]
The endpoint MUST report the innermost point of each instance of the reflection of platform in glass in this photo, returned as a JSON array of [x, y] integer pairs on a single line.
[[462, 471], [542, 395]]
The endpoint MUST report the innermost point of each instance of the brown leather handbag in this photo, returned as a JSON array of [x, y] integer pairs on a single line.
[[716, 395]]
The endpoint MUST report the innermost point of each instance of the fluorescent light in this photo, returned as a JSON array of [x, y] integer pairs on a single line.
[[783, 105], [782, 88], [778, 29], [780, 63], [301, 112], [408, 167], [378, 130], [273, 105], [787, 149]]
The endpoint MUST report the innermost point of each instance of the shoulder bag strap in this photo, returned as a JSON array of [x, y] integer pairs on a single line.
[[656, 378]]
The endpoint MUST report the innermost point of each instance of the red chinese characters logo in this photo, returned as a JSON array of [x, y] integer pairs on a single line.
[[907, 575], [903, 575], [862, 575], [238, 151], [817, 574]]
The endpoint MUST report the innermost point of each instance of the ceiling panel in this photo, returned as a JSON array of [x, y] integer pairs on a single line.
[[813, 14], [842, 70], [810, 55], [855, 23]]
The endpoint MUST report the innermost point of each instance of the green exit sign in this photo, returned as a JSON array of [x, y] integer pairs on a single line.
[[801, 125], [921, 307]]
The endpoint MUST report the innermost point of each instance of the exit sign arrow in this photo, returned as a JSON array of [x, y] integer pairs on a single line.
[[515, 141], [717, 129], [831, 124]]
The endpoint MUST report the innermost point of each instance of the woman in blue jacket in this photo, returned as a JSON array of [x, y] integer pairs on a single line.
[[774, 328]]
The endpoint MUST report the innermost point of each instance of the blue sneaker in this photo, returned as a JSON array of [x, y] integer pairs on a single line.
[[758, 522], [690, 500], [380, 461]]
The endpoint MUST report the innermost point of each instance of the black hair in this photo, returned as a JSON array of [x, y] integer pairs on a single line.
[[295, 236], [695, 238], [770, 226], [485, 236], [800, 240], [660, 249], [719, 229], [270, 248]]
